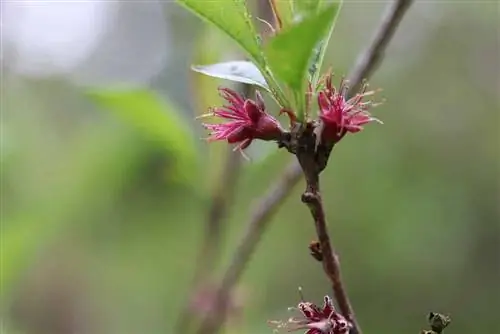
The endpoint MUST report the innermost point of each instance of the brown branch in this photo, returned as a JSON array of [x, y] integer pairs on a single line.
[[365, 66], [221, 200], [211, 244], [256, 226], [372, 56], [330, 261]]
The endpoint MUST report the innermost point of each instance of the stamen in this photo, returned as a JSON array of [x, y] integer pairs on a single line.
[[269, 25], [301, 294], [238, 148], [209, 114]]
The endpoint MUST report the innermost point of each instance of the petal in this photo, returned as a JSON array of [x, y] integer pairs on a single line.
[[338, 110], [267, 128], [310, 311], [252, 110], [238, 134], [353, 128], [324, 104], [232, 96], [235, 114], [260, 101], [328, 307]]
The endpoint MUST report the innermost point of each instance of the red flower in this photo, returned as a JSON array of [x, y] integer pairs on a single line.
[[339, 115], [317, 320], [248, 120]]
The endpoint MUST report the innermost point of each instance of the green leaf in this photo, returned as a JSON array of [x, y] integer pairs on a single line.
[[319, 51], [306, 7], [289, 53], [239, 71], [158, 120], [230, 16]]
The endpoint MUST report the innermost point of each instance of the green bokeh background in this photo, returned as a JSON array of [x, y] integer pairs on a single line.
[[101, 218]]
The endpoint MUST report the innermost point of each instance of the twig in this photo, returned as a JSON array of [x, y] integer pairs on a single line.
[[372, 56], [221, 200], [365, 65], [210, 249], [256, 226]]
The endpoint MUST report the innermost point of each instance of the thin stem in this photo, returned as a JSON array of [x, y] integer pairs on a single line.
[[256, 226], [370, 59], [211, 244]]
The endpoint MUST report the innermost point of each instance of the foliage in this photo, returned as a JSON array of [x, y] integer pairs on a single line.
[[285, 60]]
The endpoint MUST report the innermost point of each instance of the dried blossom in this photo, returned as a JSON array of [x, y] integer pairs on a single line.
[[316, 320]]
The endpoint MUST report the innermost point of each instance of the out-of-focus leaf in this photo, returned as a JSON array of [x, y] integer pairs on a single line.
[[230, 16], [159, 120], [289, 53], [89, 176], [306, 7], [239, 71]]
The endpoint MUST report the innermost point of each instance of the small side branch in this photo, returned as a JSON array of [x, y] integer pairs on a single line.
[[372, 56], [256, 226], [210, 245]]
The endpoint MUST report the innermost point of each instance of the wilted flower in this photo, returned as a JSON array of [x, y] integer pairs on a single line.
[[248, 120], [339, 115], [316, 320]]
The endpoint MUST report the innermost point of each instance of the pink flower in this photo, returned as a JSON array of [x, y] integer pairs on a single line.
[[316, 320], [248, 120], [340, 116]]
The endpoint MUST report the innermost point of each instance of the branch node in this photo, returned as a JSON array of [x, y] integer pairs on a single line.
[[315, 250], [309, 198]]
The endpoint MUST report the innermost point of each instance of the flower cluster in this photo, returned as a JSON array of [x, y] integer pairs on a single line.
[[248, 120], [340, 115], [316, 320]]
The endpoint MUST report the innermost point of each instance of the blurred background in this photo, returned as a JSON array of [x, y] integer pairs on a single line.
[[106, 185]]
